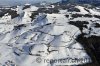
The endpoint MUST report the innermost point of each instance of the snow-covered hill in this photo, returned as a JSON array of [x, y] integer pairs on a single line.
[[34, 38]]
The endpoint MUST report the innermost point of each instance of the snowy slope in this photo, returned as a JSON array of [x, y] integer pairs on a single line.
[[49, 36]]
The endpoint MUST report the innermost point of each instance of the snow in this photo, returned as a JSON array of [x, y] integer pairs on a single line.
[[48, 36], [5, 18], [34, 8], [83, 11], [63, 11], [94, 12]]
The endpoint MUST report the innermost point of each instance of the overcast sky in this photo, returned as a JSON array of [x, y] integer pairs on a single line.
[[5, 2]]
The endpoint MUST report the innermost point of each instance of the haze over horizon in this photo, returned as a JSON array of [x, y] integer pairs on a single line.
[[14, 2]]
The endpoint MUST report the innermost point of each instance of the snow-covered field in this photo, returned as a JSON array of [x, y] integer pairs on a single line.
[[27, 42]]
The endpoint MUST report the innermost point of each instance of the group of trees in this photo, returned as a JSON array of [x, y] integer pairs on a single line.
[[48, 10], [81, 15], [85, 15], [10, 12], [79, 24]]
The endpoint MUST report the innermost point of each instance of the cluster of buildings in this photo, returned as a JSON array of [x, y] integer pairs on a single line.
[[82, 1]]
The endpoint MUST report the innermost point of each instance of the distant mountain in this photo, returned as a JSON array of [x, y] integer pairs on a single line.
[[22, 2], [93, 2]]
